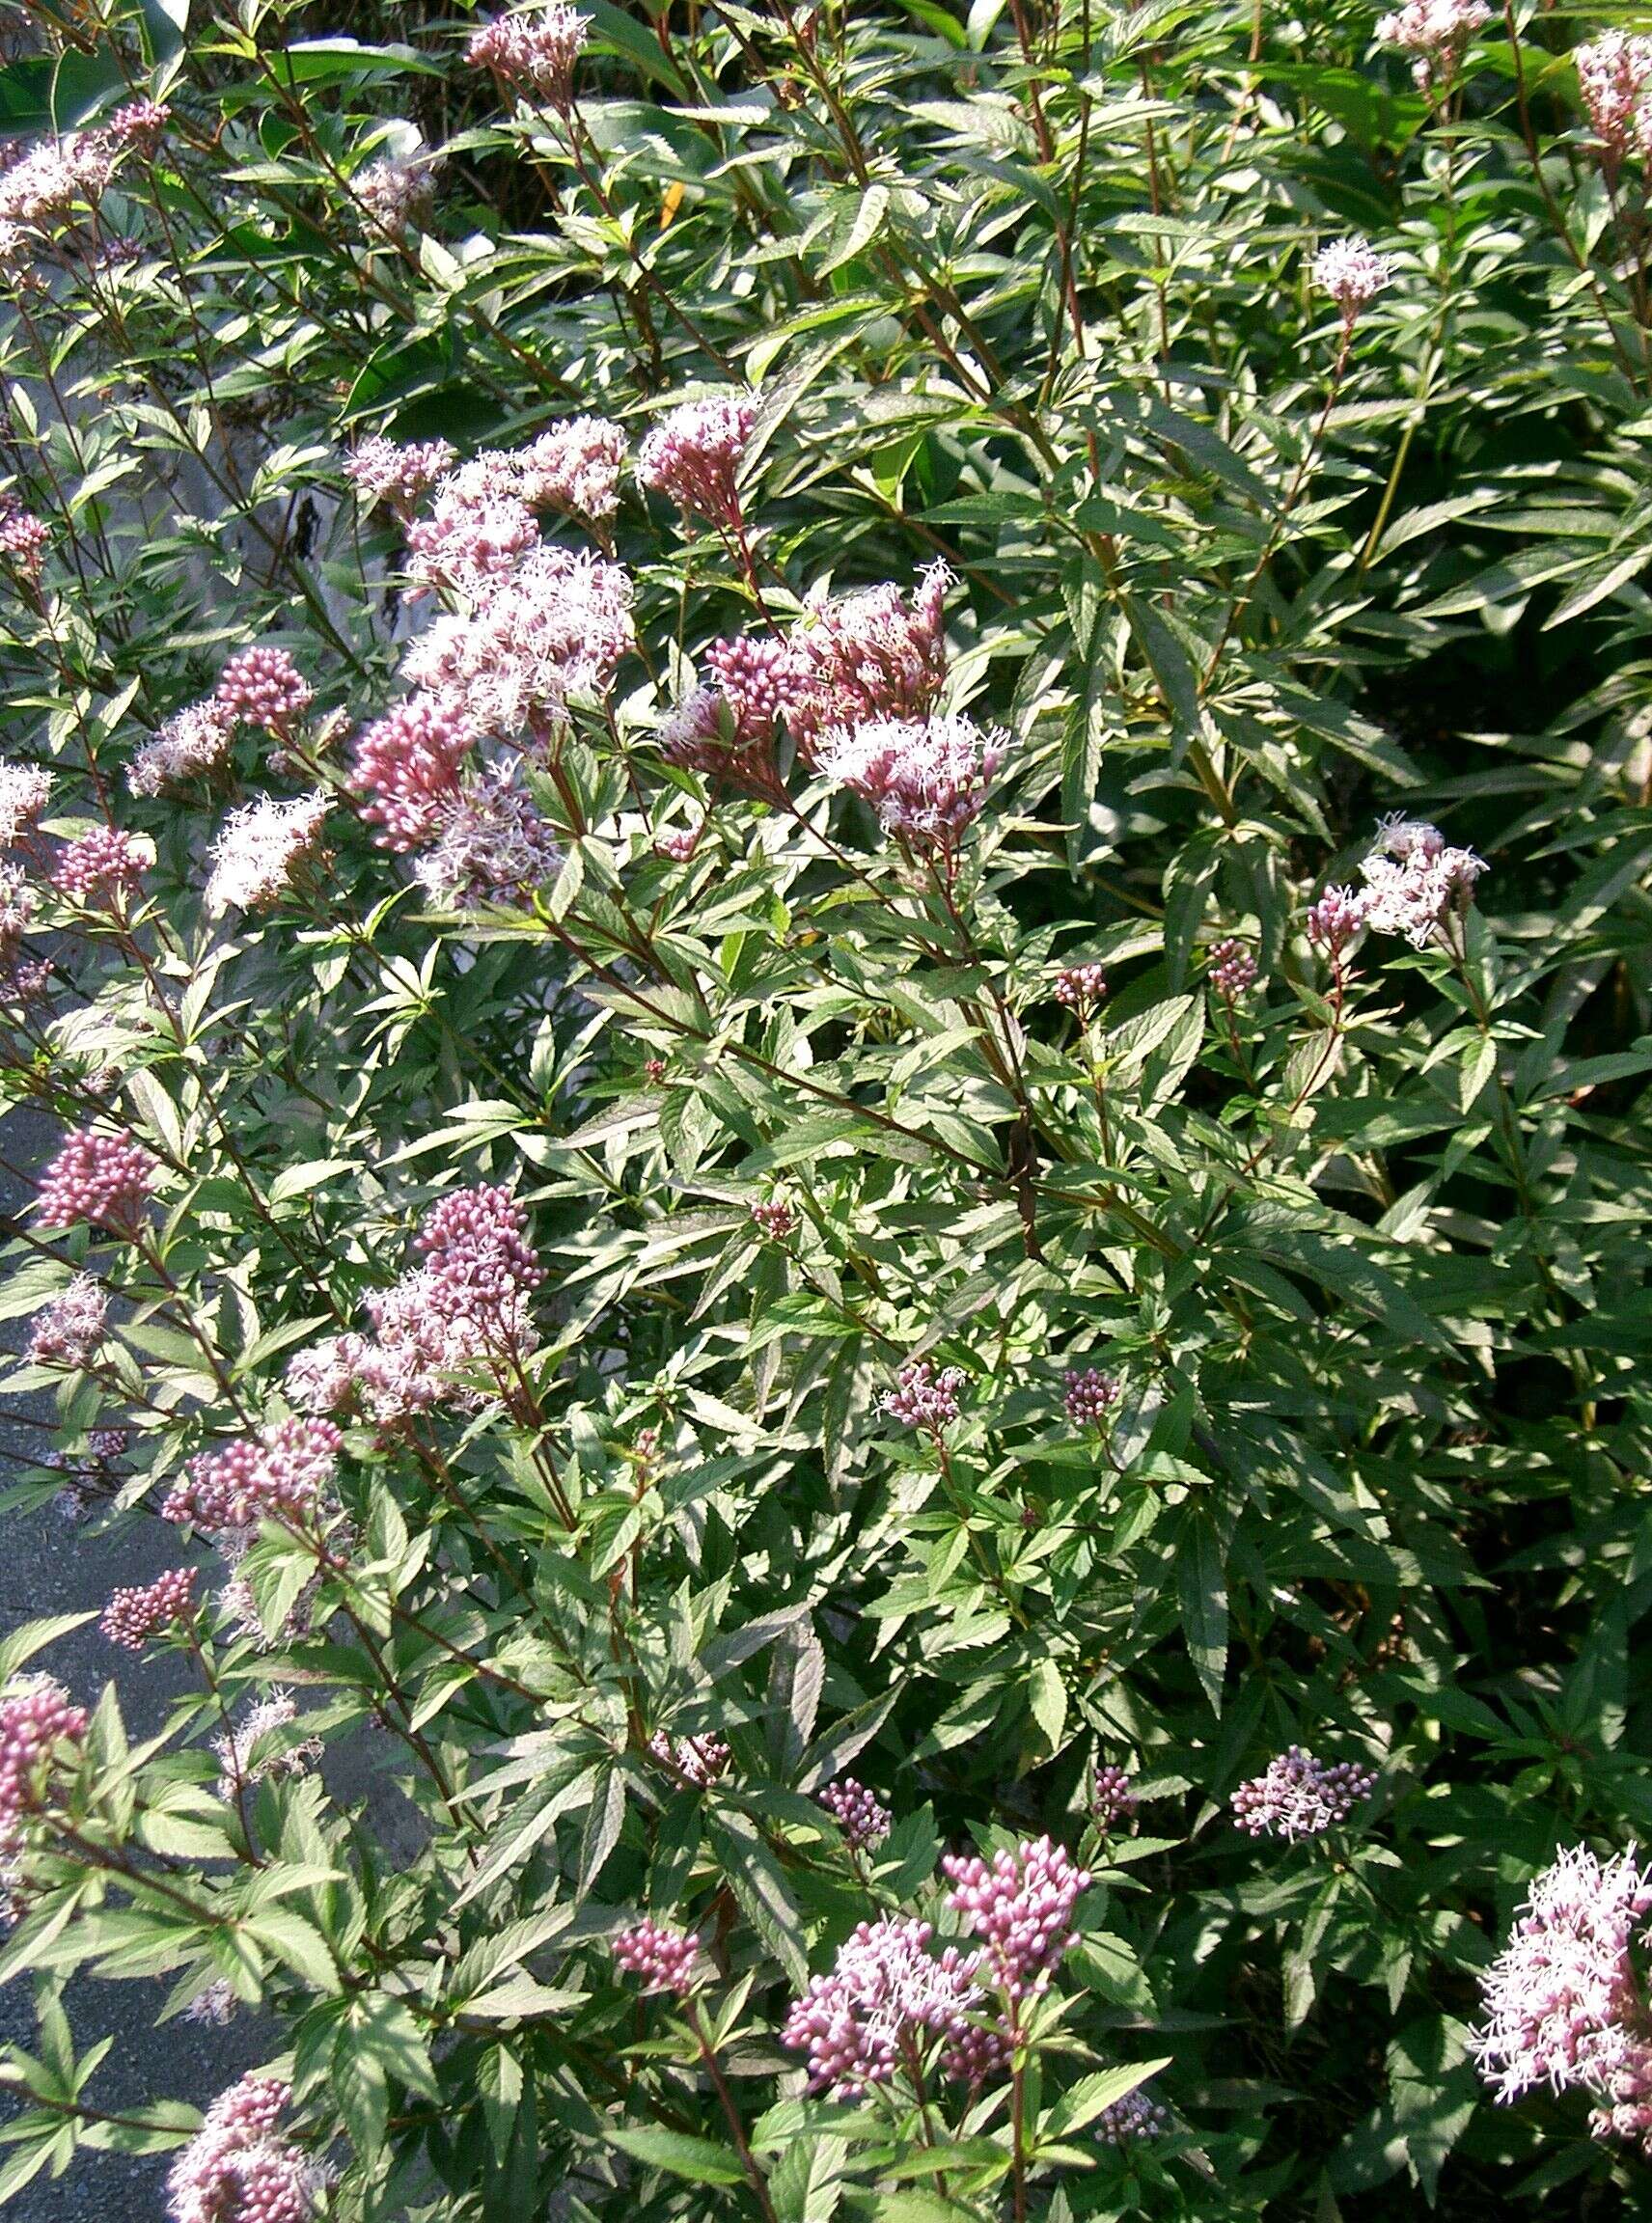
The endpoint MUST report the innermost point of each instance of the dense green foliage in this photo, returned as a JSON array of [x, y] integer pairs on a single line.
[[1361, 1242]]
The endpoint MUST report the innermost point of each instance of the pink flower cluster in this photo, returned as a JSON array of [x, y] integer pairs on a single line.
[[282, 1474], [246, 1756], [534, 51], [68, 1332], [407, 764], [1614, 76], [1415, 883], [194, 740], [662, 1957], [52, 177], [1112, 1798], [1232, 969], [24, 538], [473, 534], [869, 655], [494, 846], [555, 627], [1353, 273], [776, 1220], [38, 1722], [925, 1398], [698, 1760], [859, 1813], [1562, 2001], [100, 868], [693, 457], [926, 780], [240, 2167], [1334, 920], [468, 1300], [887, 1998], [1298, 1795], [1136, 2116], [259, 847], [1089, 1397], [263, 687], [1082, 986], [1020, 1904], [1436, 33], [25, 790], [393, 191], [381, 470], [132, 1616], [104, 1179], [573, 467]]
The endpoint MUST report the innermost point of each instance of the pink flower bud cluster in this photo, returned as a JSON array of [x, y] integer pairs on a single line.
[[407, 764], [533, 51], [888, 1998], [477, 1252], [25, 790], [869, 655], [246, 1756], [68, 1332], [259, 847], [727, 731], [1353, 273], [1112, 1798], [1563, 2003], [1436, 33], [1020, 1904], [1614, 77], [104, 1179], [140, 125], [24, 538], [239, 2167], [100, 868], [132, 1616], [1297, 1796], [1081, 987], [39, 1725], [1136, 2115], [777, 1220], [495, 847], [923, 1399], [1415, 883], [263, 687], [393, 191], [1334, 920], [1089, 1397], [927, 781], [1232, 969], [195, 739], [693, 457], [662, 1957], [282, 1474], [698, 1760], [859, 1813], [381, 470]]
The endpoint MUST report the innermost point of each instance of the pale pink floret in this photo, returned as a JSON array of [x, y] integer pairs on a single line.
[[927, 781], [924, 1397], [1020, 1904], [470, 536], [407, 765], [1614, 77], [1416, 884], [887, 1999], [102, 866], [25, 790], [104, 1179], [281, 1474], [263, 687], [693, 457], [18, 901], [574, 466], [383, 470], [53, 176], [873, 654], [393, 191], [859, 1813], [661, 1956], [1082, 986], [1436, 33], [1298, 1795], [494, 845], [259, 847], [139, 124], [554, 627], [132, 1616], [68, 1332], [253, 1749], [698, 1760], [1562, 2001], [535, 50], [195, 739], [1353, 273], [239, 2167], [1334, 920]]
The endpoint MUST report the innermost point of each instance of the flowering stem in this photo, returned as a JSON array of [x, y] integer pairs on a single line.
[[737, 2128]]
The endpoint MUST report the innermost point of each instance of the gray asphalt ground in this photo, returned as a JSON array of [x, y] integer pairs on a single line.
[[51, 1565]]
